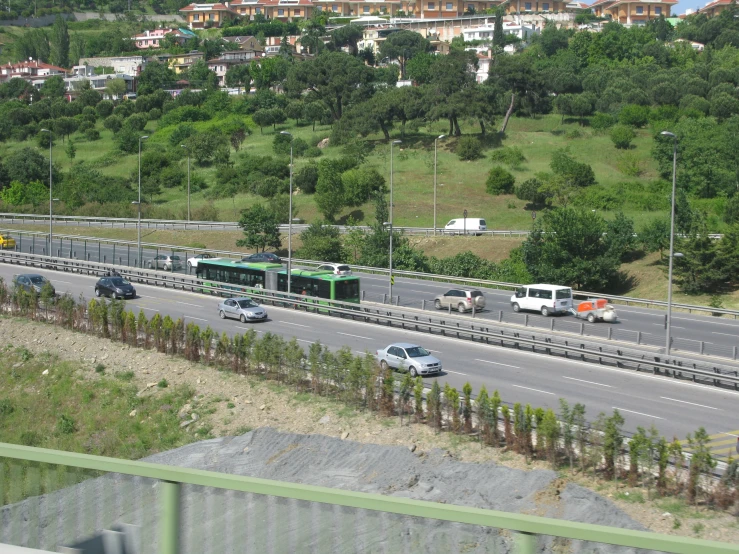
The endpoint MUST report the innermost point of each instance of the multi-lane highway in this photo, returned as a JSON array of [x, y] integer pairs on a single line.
[[674, 407], [720, 336]]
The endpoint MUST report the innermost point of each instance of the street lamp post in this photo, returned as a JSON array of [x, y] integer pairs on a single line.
[[51, 199], [391, 219], [440, 137], [672, 237], [290, 217], [141, 261], [188, 180]]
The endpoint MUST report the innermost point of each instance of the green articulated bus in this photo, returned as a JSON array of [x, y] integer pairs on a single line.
[[238, 275]]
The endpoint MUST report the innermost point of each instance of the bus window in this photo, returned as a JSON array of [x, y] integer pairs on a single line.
[[347, 290]]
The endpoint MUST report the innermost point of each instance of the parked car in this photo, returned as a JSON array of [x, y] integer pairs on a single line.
[[165, 262], [192, 263], [114, 287], [262, 257], [336, 269], [243, 308], [547, 299], [461, 300], [409, 357], [31, 282], [7, 242], [469, 225]]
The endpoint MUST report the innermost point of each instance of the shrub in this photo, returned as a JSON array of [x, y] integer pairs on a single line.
[[113, 123], [181, 133], [500, 181], [602, 121], [512, 156], [154, 114], [313, 152], [469, 148], [136, 122], [104, 108], [634, 115], [622, 136], [306, 178], [529, 190], [65, 425], [92, 134]]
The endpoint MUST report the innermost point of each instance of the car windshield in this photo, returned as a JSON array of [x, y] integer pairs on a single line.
[[175, 257], [247, 303], [417, 352], [118, 282], [38, 280]]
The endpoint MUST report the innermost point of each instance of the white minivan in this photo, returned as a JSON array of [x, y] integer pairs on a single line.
[[547, 299], [471, 225]]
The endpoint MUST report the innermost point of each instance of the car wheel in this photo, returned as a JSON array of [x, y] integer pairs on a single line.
[[437, 304], [461, 308], [222, 314], [516, 307], [243, 318], [544, 311], [413, 371], [383, 365], [97, 292], [591, 318]]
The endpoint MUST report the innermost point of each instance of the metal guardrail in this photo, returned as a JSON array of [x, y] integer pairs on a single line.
[[627, 300], [463, 328], [177, 487], [130, 223]]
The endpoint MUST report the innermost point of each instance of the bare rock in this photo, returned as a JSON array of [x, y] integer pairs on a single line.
[[324, 420], [344, 435], [132, 414], [45, 372], [324, 143], [262, 407], [186, 423], [412, 448], [195, 417]]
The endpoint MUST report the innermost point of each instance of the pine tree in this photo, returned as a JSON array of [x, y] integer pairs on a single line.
[[71, 150], [467, 390], [59, 43], [483, 416], [612, 441], [498, 34], [663, 458], [507, 431], [494, 408], [701, 462], [549, 429], [406, 386], [637, 445], [433, 406], [418, 398]]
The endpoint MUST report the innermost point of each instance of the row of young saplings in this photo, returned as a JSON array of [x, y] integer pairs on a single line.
[[565, 438]]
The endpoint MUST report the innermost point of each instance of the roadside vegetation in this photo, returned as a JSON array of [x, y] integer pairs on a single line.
[[569, 440]]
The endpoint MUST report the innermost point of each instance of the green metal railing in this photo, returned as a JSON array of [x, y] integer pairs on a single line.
[[264, 522]]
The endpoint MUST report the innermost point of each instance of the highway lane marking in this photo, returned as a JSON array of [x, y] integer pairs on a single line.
[[584, 381], [188, 304], [685, 402], [291, 323], [497, 363], [355, 336], [535, 390], [65, 282], [671, 326], [638, 413], [434, 351], [455, 372], [198, 318], [725, 334]]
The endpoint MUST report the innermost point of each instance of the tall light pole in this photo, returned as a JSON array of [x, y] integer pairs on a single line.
[[51, 198], [440, 137], [672, 236], [290, 218], [390, 282], [188, 180], [141, 261]]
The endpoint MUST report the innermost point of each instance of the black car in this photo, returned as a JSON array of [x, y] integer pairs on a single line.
[[116, 287], [262, 257], [31, 282]]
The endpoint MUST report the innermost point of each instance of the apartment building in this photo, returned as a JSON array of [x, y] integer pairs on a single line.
[[283, 10], [712, 9], [202, 16], [31, 70], [633, 12], [152, 39]]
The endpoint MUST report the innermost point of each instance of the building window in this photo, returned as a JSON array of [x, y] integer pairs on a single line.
[[259, 10], [296, 12], [545, 7], [212, 17], [365, 9], [430, 6], [449, 6], [334, 8], [280, 11], [527, 6], [657, 11], [196, 17]]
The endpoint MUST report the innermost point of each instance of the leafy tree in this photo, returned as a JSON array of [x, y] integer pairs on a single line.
[[116, 88], [59, 43], [314, 111], [113, 123], [263, 118], [294, 110], [402, 46], [127, 140], [636, 116], [322, 242], [34, 193], [499, 181], [205, 146], [530, 190], [329, 194], [349, 36], [261, 228], [71, 150], [359, 185], [567, 246], [53, 87], [622, 136], [136, 122], [306, 178], [469, 148], [155, 76], [573, 172], [26, 165], [723, 106]]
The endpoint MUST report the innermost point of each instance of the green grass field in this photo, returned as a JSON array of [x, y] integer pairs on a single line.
[[461, 183]]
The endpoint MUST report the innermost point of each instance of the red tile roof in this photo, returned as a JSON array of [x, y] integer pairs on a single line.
[[34, 64], [217, 7]]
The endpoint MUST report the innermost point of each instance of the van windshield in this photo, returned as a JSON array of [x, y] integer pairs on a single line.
[[482, 223], [563, 294]]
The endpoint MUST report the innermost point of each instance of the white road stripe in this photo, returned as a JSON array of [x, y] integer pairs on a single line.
[[584, 381], [198, 318], [291, 323], [662, 325], [725, 334], [58, 281], [355, 336], [455, 372], [497, 363], [188, 304], [638, 413], [535, 390], [685, 402]]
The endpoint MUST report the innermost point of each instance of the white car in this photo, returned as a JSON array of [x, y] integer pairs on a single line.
[[336, 269], [192, 263]]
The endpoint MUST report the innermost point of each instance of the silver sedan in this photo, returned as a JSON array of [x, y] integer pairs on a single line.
[[244, 309], [409, 357]]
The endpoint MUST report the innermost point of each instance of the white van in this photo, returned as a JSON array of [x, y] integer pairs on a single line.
[[547, 299], [471, 225]]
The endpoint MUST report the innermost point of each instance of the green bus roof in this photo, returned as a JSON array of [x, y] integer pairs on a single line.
[[239, 264], [323, 274]]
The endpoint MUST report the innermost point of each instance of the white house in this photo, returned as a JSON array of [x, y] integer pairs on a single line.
[[485, 32]]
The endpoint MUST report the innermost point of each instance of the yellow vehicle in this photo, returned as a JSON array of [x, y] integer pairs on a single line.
[[7, 242]]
